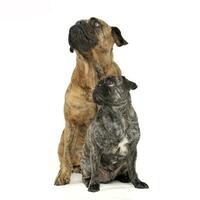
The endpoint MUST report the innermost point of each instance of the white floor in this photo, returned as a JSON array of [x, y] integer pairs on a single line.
[[115, 190]]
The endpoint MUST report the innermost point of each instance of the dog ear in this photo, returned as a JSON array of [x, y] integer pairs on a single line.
[[132, 85], [71, 49], [129, 84], [119, 40]]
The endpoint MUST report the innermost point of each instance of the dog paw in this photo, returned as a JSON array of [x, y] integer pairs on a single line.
[[93, 188], [61, 180], [139, 184]]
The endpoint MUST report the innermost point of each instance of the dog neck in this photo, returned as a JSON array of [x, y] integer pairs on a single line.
[[91, 67], [100, 62]]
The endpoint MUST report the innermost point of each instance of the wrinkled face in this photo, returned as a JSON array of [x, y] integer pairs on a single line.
[[94, 33], [113, 90]]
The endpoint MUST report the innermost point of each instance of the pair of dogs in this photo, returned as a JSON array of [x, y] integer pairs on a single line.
[[108, 152]]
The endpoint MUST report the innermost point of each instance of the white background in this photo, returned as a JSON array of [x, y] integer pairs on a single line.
[[162, 57]]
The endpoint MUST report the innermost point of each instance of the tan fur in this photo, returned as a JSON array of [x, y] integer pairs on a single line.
[[79, 108]]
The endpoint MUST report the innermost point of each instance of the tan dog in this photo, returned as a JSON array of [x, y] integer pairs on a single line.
[[93, 42]]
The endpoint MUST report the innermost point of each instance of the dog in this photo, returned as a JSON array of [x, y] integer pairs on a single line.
[[109, 152], [93, 41]]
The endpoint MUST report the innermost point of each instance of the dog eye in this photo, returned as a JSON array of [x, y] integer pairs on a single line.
[[96, 24], [110, 83]]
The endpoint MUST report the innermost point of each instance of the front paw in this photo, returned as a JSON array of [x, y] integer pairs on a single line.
[[139, 184], [62, 179], [93, 187]]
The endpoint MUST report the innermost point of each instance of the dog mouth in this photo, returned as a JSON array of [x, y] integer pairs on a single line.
[[82, 38]]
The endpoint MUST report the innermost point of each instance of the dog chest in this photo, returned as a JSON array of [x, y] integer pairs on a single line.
[[122, 146]]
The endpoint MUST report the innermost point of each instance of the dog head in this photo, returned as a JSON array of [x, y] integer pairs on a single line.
[[94, 34], [113, 90]]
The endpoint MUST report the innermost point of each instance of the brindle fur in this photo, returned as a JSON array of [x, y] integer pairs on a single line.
[[93, 62], [109, 152]]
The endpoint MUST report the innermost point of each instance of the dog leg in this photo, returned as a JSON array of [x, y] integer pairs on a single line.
[[77, 146], [64, 173], [94, 162], [131, 160], [86, 176]]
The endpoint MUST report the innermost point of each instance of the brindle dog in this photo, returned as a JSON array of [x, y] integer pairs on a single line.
[[93, 41], [109, 152]]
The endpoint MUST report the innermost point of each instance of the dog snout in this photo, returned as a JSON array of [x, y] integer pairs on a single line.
[[74, 29]]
